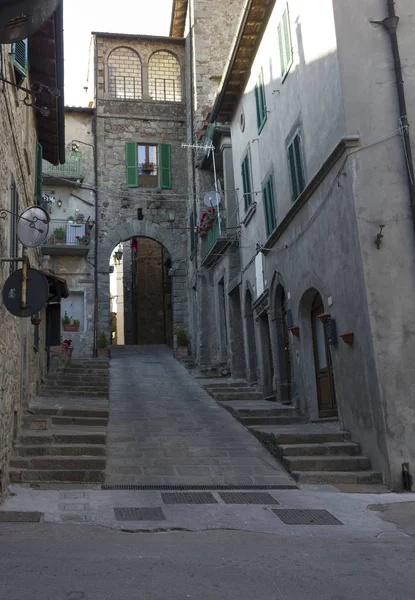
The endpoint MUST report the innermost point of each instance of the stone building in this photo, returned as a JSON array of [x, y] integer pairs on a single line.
[[142, 167], [69, 196], [320, 275], [25, 132]]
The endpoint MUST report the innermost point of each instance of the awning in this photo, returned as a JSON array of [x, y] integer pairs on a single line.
[[58, 287]]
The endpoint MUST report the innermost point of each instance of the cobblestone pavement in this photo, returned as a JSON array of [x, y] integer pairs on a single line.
[[165, 429]]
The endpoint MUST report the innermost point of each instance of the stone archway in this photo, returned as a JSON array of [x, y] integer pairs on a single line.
[[175, 246]]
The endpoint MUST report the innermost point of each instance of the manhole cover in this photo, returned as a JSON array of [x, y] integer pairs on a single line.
[[20, 517], [189, 498], [247, 498], [139, 514], [306, 517]]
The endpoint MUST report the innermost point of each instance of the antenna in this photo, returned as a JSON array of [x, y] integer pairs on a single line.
[[33, 227]]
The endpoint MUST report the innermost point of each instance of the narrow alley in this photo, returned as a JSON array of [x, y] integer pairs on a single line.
[[165, 429]]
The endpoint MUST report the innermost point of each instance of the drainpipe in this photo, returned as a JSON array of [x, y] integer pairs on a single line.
[[192, 114], [391, 24]]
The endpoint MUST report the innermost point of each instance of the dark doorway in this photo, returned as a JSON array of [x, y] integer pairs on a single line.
[[267, 366], [326, 394], [237, 358], [223, 322], [251, 345], [283, 348]]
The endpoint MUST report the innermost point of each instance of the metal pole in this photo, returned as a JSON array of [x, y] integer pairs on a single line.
[[24, 279], [212, 149]]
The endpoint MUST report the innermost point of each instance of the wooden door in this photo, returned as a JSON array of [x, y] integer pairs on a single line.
[[323, 366]]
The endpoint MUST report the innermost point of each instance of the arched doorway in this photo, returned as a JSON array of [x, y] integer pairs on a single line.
[[146, 291], [326, 394], [250, 339], [284, 360]]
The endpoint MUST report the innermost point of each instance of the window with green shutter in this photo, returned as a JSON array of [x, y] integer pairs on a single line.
[[20, 59], [38, 173], [131, 164], [246, 181], [296, 166], [269, 207], [285, 45], [165, 166], [261, 105]]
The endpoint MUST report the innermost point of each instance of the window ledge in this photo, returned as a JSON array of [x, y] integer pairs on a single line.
[[249, 214]]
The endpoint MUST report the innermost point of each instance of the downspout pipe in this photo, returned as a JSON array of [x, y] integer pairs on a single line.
[[391, 24], [96, 211]]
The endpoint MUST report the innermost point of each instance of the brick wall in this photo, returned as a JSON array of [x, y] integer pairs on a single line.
[[124, 74], [164, 77]]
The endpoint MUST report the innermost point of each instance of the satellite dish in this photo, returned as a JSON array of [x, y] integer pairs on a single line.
[[37, 293], [212, 199], [33, 227], [19, 19]]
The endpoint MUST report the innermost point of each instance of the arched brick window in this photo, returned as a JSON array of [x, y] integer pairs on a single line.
[[124, 75], [164, 77]]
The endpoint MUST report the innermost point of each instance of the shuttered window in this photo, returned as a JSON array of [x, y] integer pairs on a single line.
[[296, 166], [19, 57], [38, 173], [285, 45], [246, 181], [165, 166], [269, 207], [261, 106], [134, 168]]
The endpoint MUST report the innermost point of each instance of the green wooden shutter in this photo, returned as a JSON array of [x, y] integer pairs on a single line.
[[19, 51], [268, 196], [38, 173], [258, 114], [131, 165], [165, 166], [281, 47], [261, 107], [296, 165], [246, 182], [284, 43]]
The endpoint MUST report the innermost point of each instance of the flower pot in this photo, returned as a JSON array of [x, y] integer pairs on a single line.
[[203, 233], [348, 338], [102, 352], [182, 351], [70, 327], [294, 330], [79, 221]]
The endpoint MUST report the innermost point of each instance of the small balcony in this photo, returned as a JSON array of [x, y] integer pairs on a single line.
[[216, 242], [67, 239], [71, 171]]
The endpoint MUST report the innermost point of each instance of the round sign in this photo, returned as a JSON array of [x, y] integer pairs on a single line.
[[33, 227], [37, 293]]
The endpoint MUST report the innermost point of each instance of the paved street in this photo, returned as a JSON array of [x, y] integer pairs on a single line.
[[165, 429]]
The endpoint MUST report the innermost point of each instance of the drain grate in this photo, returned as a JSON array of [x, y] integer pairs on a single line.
[[161, 488], [247, 498], [139, 514], [20, 517], [306, 517], [188, 498]]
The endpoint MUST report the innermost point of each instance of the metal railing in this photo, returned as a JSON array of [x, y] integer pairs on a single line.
[[63, 232], [215, 232], [71, 168]]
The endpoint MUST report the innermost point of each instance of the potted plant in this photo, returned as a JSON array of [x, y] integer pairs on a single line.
[[182, 343], [59, 234], [91, 223], [70, 219], [102, 350], [83, 240], [147, 167], [70, 324], [66, 347]]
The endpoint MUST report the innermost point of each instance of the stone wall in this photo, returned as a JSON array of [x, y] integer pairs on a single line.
[[22, 364], [147, 122]]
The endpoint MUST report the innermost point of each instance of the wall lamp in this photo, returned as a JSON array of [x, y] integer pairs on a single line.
[[118, 256], [171, 215], [59, 203]]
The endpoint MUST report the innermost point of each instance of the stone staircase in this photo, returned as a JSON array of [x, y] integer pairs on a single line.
[[63, 434], [317, 453]]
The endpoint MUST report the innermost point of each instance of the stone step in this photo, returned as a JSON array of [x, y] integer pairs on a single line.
[[63, 437], [330, 448], [80, 387], [224, 396], [39, 423], [67, 412], [53, 463], [60, 450], [259, 408], [31, 476], [326, 463], [327, 477], [46, 392], [303, 434], [79, 379], [282, 420], [241, 390]]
